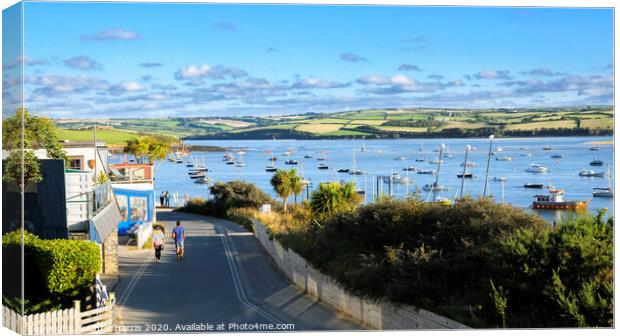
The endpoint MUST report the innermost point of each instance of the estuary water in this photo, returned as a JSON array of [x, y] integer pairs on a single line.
[[564, 157]]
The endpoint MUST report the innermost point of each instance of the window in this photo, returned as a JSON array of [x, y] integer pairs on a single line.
[[75, 163]]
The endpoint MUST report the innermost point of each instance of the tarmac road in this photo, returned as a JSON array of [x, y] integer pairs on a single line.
[[226, 282]]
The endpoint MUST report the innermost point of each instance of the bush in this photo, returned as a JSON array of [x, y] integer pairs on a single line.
[[226, 198], [56, 270], [482, 263]]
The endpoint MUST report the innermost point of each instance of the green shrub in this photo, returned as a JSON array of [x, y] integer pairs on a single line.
[[479, 262], [56, 270]]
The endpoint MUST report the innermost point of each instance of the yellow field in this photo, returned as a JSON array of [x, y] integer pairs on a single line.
[[544, 124], [402, 129], [318, 128], [327, 121], [367, 122], [227, 122], [597, 123], [463, 125]]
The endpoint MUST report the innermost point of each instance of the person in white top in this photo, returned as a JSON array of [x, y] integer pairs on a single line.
[[158, 241]]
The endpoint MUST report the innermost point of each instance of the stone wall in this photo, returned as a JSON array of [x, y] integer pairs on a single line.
[[373, 315], [110, 254]]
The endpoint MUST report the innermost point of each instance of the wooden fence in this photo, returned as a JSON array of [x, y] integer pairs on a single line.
[[66, 321]]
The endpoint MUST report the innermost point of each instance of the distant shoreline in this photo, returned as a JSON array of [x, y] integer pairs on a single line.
[[435, 135]]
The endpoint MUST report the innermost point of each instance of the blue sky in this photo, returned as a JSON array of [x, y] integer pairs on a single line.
[[117, 60]]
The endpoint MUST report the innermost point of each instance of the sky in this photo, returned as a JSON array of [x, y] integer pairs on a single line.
[[112, 60]]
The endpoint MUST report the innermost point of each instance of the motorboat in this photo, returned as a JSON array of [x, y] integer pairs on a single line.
[[203, 180], [536, 168], [595, 148], [435, 161], [189, 165], [240, 164], [442, 200], [357, 172], [291, 162], [426, 172], [271, 169], [596, 162], [410, 168], [401, 158], [287, 153], [555, 200], [420, 160], [178, 161], [533, 185], [500, 179], [343, 170], [230, 162], [197, 176], [557, 156], [323, 166], [504, 158], [547, 148], [602, 192], [434, 187], [591, 173], [322, 158], [469, 164], [307, 156], [466, 175], [525, 154]]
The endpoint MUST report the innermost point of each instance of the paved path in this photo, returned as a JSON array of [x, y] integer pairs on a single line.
[[226, 277]]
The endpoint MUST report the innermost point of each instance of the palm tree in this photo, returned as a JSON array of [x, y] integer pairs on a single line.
[[296, 183], [281, 183], [333, 197]]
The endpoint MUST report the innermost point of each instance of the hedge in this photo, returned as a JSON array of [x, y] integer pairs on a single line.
[[63, 266]]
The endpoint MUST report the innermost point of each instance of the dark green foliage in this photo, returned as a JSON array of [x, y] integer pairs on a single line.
[[228, 198], [13, 167], [570, 268], [236, 194], [38, 133], [56, 270], [482, 263]]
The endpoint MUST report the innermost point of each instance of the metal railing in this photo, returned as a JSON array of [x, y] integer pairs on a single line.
[[95, 200]]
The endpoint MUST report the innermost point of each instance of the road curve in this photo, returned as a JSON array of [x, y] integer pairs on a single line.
[[226, 282]]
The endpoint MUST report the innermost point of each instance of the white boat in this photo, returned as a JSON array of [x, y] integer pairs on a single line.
[[420, 160], [536, 168], [469, 164], [525, 154], [604, 192], [240, 164], [435, 161], [434, 187], [504, 158], [401, 158], [500, 179], [591, 173], [410, 168]]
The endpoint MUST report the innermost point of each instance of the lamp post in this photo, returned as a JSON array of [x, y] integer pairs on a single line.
[[467, 149], [436, 185], [486, 176]]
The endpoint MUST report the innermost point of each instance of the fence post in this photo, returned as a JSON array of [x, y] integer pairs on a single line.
[[77, 320]]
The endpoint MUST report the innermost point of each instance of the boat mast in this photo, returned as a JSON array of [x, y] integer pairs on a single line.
[[436, 185]]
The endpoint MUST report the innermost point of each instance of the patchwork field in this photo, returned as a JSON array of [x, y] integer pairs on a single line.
[[362, 123]]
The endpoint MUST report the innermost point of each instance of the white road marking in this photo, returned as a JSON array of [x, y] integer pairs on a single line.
[[237, 282]]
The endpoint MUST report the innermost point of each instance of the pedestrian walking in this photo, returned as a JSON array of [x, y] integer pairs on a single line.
[[158, 241], [162, 196], [167, 199], [178, 234]]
